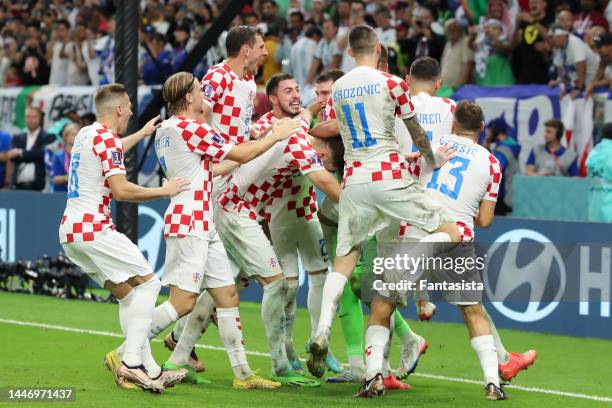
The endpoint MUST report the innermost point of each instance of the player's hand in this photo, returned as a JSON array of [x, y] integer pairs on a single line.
[[151, 126], [412, 155], [284, 128], [175, 186], [442, 155]]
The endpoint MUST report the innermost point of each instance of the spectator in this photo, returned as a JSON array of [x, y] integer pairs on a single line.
[[552, 159], [77, 65], [599, 170], [270, 65], [531, 55], [327, 56], [28, 153], [271, 17], [88, 49], [498, 10], [318, 14], [603, 76], [506, 149], [87, 119], [570, 61], [157, 63], [56, 54], [34, 66], [491, 55], [565, 19], [422, 41], [5, 146], [588, 17], [386, 32], [61, 158], [457, 60], [343, 16], [293, 33], [296, 21], [302, 55], [357, 16], [182, 41]]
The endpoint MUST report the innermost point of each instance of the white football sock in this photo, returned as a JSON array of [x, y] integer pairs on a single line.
[[484, 346], [178, 327], [139, 321], [290, 307], [315, 295], [163, 316], [386, 367], [273, 317], [502, 354], [376, 339], [230, 331], [332, 290], [124, 311], [196, 324], [153, 369]]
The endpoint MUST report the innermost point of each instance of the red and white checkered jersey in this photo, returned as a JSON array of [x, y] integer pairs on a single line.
[[96, 155], [365, 103], [231, 99], [297, 201], [255, 184], [473, 175], [187, 148], [435, 116]]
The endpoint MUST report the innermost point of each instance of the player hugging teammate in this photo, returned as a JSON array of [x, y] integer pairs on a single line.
[[419, 199]]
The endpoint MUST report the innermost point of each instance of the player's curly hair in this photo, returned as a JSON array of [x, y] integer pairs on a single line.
[[175, 90]]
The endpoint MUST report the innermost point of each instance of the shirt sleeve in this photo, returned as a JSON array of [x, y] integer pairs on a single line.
[[329, 109], [109, 148], [495, 176], [398, 91], [203, 140], [213, 85], [299, 153], [501, 159]]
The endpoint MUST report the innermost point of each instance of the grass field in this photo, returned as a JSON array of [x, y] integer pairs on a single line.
[[48, 342]]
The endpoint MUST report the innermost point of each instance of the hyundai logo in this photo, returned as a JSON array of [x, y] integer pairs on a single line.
[[542, 274]]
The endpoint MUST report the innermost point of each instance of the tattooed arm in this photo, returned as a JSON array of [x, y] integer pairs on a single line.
[[420, 140]]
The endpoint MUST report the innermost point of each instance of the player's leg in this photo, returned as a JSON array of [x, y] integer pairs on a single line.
[[510, 363], [248, 246], [484, 346], [172, 338]]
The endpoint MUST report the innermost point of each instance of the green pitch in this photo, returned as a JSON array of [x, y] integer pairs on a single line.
[[36, 356]]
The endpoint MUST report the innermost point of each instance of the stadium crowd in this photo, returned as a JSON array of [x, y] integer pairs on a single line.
[[489, 43]]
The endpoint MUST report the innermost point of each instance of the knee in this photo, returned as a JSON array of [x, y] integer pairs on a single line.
[[184, 304], [472, 312]]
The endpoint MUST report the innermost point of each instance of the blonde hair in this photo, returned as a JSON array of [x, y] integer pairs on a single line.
[[176, 89]]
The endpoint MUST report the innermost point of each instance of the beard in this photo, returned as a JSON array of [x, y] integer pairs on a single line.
[[289, 110]]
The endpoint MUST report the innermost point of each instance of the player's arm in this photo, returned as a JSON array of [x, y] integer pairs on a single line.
[[281, 130], [310, 112], [123, 190], [420, 140], [133, 139], [224, 168], [327, 183], [485, 215], [326, 129]]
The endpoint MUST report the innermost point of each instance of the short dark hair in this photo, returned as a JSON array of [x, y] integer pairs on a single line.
[[65, 23], [425, 69], [239, 36], [297, 13], [468, 115], [272, 84], [107, 92], [362, 39], [336, 146], [382, 9], [314, 31], [87, 119], [558, 125], [606, 131], [330, 75]]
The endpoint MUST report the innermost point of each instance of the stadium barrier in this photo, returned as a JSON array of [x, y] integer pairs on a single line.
[[568, 282]]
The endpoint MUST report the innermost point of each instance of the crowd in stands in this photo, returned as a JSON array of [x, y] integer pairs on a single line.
[[562, 43]]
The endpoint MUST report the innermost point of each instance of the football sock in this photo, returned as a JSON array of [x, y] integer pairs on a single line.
[[153, 369], [315, 294], [290, 306], [273, 317], [386, 367], [333, 288], [376, 338], [196, 324], [163, 316], [484, 346], [351, 320], [230, 331], [502, 354], [178, 327], [124, 311], [139, 321]]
